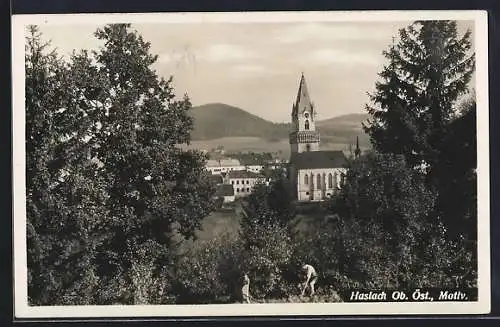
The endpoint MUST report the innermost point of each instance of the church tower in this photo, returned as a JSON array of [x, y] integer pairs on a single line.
[[303, 137]]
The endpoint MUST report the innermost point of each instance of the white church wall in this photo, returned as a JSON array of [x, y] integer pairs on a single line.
[[310, 191]]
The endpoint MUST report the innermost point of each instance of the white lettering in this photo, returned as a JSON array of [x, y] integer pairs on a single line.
[[457, 295], [399, 296], [370, 296], [420, 296]]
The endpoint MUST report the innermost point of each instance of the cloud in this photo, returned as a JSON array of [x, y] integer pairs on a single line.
[[177, 55], [228, 52], [334, 31], [167, 58], [252, 70], [336, 56], [249, 68]]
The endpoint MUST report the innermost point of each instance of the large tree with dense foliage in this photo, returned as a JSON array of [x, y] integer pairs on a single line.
[[456, 170], [266, 236], [428, 70], [153, 184], [107, 181], [384, 208], [413, 113], [64, 195], [386, 233]]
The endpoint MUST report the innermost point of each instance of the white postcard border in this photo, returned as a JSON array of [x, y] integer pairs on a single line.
[[23, 310]]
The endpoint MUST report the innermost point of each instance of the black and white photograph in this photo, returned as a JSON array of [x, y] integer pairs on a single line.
[[236, 164]]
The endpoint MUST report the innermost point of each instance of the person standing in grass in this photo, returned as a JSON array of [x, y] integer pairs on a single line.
[[245, 289], [311, 277]]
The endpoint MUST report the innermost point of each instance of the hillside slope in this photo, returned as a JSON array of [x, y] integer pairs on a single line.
[[349, 120], [216, 120], [221, 121], [344, 128]]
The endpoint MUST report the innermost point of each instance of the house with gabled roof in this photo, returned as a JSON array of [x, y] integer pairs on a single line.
[[222, 166], [225, 191], [243, 181]]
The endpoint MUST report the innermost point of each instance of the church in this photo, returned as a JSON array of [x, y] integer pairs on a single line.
[[315, 174]]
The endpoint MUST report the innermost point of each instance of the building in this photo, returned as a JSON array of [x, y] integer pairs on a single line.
[[243, 181], [216, 179], [225, 191], [315, 174], [253, 164], [218, 167]]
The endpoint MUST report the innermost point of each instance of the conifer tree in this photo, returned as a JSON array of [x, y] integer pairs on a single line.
[[428, 69], [415, 104]]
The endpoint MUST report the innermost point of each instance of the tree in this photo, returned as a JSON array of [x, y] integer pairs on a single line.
[[456, 169], [107, 183], [266, 241], [428, 70], [385, 221], [209, 272], [64, 195], [414, 112], [151, 182]]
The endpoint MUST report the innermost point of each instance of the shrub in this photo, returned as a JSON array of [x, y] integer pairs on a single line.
[[148, 281], [145, 281], [207, 272], [267, 251]]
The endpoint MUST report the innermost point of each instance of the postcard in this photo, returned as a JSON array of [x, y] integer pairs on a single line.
[[250, 164]]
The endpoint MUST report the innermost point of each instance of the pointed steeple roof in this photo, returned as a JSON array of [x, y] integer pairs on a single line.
[[303, 101], [357, 152]]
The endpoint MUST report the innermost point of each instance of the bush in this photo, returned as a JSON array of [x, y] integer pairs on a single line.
[[267, 251], [148, 279], [145, 281], [207, 273], [210, 271]]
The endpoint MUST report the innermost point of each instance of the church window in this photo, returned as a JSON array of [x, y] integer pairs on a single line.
[[237, 182], [306, 126], [318, 181], [330, 180], [237, 190], [335, 180], [306, 179], [248, 181]]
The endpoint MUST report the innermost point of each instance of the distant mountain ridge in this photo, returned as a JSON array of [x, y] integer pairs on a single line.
[[218, 120]]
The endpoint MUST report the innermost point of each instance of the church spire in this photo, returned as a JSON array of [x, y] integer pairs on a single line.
[[303, 136], [357, 151], [303, 100]]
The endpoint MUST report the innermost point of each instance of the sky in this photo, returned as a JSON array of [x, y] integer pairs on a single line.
[[257, 66]]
